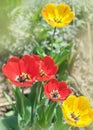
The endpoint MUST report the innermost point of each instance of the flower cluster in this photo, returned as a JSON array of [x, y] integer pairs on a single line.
[[25, 71], [76, 110]]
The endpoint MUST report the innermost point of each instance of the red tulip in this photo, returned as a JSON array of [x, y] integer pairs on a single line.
[[56, 91], [47, 69], [21, 71]]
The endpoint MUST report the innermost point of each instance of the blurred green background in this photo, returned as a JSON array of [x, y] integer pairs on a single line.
[[22, 28]]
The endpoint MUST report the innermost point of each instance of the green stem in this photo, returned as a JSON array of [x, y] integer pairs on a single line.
[[23, 111], [39, 91], [22, 100], [52, 40], [54, 32]]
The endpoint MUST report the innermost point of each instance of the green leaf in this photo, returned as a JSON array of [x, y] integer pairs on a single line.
[[41, 117], [39, 50], [23, 107], [63, 55], [9, 123], [26, 117], [10, 101], [50, 112], [18, 97], [59, 114], [32, 94], [36, 16], [59, 123], [45, 114], [61, 126], [33, 97]]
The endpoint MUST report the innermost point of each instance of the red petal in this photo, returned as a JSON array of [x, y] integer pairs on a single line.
[[11, 70], [52, 85], [13, 59], [36, 57], [22, 85], [24, 62], [62, 85], [30, 65], [64, 90], [64, 94], [48, 65]]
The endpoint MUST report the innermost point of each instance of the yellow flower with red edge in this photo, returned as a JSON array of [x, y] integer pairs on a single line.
[[57, 15], [77, 111]]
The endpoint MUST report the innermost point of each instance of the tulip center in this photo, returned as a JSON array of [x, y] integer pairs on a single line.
[[55, 94], [74, 117], [42, 73], [58, 20], [23, 77]]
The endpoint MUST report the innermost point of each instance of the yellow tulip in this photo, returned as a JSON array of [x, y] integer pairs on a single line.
[[77, 111], [57, 15]]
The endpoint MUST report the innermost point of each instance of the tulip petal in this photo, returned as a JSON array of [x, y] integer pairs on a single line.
[[77, 111]]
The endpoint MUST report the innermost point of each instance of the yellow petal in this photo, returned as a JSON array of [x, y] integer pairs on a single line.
[[84, 121], [91, 113], [48, 11], [68, 18], [51, 22], [83, 103], [63, 9], [68, 103], [50, 7]]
